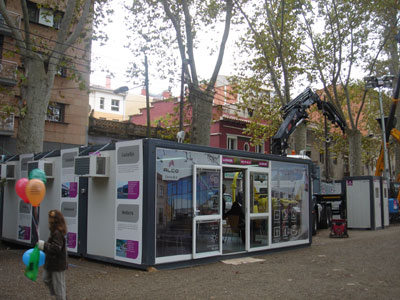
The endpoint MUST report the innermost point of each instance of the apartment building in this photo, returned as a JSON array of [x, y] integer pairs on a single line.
[[106, 103], [66, 120]]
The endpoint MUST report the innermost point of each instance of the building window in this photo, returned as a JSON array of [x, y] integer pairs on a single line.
[[44, 16], [61, 71], [115, 105], [101, 102], [246, 147], [259, 148], [232, 143], [55, 112]]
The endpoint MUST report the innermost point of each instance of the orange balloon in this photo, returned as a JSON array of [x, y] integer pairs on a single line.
[[35, 191]]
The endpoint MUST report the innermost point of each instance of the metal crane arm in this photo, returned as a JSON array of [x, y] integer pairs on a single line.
[[294, 113]]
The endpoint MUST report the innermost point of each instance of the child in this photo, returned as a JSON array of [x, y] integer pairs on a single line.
[[56, 255]]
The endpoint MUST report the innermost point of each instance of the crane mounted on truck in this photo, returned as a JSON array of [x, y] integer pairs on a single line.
[[294, 113]]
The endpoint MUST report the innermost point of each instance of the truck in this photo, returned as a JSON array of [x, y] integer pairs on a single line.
[[294, 113]]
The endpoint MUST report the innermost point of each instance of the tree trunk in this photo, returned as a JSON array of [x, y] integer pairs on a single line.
[[35, 93], [202, 115], [355, 165]]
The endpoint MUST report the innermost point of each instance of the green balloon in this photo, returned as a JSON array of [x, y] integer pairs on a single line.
[[38, 174]]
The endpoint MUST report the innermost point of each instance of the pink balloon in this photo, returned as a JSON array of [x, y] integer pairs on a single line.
[[20, 188]]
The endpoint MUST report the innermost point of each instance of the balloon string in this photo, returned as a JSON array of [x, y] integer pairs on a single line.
[[35, 221]]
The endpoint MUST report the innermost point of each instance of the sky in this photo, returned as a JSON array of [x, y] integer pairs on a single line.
[[116, 58]]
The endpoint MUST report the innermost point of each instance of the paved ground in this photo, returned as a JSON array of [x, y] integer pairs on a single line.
[[364, 266]]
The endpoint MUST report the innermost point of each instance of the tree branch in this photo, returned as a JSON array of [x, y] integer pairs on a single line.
[[189, 42], [13, 26], [269, 67], [229, 7], [179, 37]]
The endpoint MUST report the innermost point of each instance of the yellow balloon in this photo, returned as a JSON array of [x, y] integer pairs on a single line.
[[35, 191]]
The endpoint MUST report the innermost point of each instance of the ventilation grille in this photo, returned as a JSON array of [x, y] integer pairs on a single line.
[[101, 166], [32, 166], [10, 171], [82, 165], [48, 169]]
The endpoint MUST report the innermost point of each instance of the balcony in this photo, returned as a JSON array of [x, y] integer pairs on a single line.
[[8, 72], [6, 124], [233, 110], [4, 29]]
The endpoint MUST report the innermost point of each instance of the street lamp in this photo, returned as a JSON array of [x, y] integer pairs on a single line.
[[124, 89], [372, 82], [121, 90]]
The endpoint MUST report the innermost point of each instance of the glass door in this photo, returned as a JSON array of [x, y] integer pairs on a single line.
[[207, 211], [257, 229]]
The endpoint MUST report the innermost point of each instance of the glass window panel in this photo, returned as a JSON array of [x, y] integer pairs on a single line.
[[207, 191], [207, 236], [258, 192], [290, 202], [258, 233], [175, 207]]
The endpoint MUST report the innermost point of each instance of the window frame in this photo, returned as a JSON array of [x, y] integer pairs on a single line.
[[229, 139], [55, 112], [115, 107], [259, 148], [35, 15]]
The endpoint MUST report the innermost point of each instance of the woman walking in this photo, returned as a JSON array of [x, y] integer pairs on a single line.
[[56, 255]]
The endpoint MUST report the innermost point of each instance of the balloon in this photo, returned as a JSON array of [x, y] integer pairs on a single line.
[[27, 254], [38, 174], [35, 191], [20, 187]]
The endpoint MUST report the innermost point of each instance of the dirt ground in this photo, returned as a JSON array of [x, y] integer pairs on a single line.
[[364, 266]]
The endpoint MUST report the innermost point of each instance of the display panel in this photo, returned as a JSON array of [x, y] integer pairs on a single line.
[[290, 202]]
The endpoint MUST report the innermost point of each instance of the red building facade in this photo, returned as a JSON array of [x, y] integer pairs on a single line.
[[227, 125]]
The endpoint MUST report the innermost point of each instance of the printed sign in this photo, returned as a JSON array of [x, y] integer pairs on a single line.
[[69, 197], [244, 162], [129, 202], [24, 226]]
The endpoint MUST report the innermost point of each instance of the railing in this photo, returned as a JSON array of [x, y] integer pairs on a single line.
[[6, 123], [8, 75], [4, 29], [120, 129], [232, 109]]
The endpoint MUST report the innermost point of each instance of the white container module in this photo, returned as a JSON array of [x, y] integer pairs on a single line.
[[17, 216], [95, 166], [364, 202], [68, 193], [385, 202], [150, 202]]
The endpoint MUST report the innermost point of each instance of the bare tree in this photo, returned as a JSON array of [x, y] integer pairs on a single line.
[[185, 19]]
